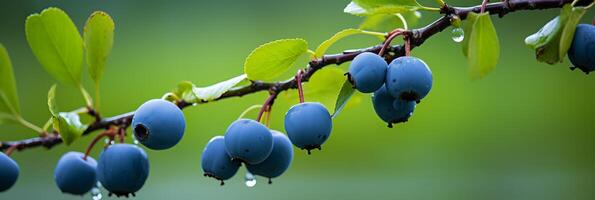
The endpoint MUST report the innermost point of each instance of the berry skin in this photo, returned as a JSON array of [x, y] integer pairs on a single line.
[[75, 175], [248, 141], [158, 124], [9, 172], [278, 161], [367, 72], [216, 162], [308, 125], [582, 50], [391, 110], [123, 169], [408, 78]]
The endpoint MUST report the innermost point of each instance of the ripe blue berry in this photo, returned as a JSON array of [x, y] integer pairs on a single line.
[[391, 110], [408, 78], [9, 172], [216, 162], [367, 72], [248, 141], [308, 125], [582, 50], [123, 169], [278, 161], [75, 175], [158, 124]]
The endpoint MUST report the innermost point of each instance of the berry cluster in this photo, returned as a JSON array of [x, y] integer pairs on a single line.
[[397, 86]]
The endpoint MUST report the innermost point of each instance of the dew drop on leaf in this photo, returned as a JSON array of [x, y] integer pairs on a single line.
[[458, 35]]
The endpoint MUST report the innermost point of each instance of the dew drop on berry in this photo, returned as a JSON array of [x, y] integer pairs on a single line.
[[250, 180], [458, 35], [96, 193]]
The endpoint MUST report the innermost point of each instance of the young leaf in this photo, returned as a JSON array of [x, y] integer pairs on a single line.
[[99, 38], [345, 94], [9, 100], [272, 59], [371, 7], [215, 91], [468, 29], [321, 49], [484, 47], [184, 91], [388, 22], [52, 100], [69, 126], [324, 86], [56, 43]]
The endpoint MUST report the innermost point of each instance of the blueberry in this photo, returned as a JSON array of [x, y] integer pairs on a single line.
[[9, 172], [367, 72], [158, 124], [123, 169], [391, 110], [408, 78], [248, 141], [278, 161], [75, 175], [582, 50], [216, 162], [308, 125]]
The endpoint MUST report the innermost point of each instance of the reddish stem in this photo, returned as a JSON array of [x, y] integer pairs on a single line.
[[484, 4], [390, 38], [407, 47], [95, 140], [268, 103], [298, 78], [122, 134], [11, 149], [268, 116]]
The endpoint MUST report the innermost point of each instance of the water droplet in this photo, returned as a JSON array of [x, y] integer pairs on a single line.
[[136, 142], [417, 14], [458, 35], [96, 193], [250, 180], [106, 141]]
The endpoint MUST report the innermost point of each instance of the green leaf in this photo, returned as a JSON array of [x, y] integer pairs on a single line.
[[52, 100], [99, 38], [272, 59], [468, 29], [69, 126], [325, 86], [56, 43], [552, 41], [345, 94], [484, 47], [388, 22], [321, 49], [372, 7], [9, 100], [190, 93]]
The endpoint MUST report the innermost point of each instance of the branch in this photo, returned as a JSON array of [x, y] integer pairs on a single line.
[[417, 37]]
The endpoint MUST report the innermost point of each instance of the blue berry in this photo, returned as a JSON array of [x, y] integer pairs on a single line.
[[158, 124], [278, 161], [391, 110], [367, 72], [9, 172], [216, 162], [308, 125], [248, 141], [582, 50], [75, 175], [123, 169], [408, 78]]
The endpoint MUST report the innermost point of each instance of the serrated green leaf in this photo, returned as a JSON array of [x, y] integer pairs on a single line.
[[99, 39], [272, 59], [52, 100], [9, 100], [484, 47], [69, 126], [345, 94], [188, 92], [388, 22], [56, 43], [468, 29], [324, 86], [321, 49], [572, 17], [372, 7]]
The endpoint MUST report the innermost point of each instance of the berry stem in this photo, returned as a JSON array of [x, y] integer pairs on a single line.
[[266, 105], [407, 46], [248, 110], [11, 149], [110, 133], [122, 134], [268, 115], [389, 39], [298, 78]]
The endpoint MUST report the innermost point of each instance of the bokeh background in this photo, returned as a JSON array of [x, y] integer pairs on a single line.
[[524, 132]]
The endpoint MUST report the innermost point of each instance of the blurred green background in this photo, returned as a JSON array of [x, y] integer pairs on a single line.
[[524, 132]]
